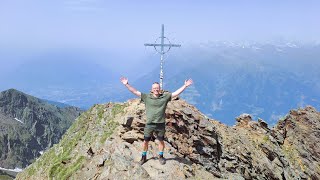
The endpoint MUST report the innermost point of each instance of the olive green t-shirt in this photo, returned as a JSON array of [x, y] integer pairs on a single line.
[[156, 107]]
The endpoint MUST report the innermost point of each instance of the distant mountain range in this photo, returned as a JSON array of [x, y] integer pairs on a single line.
[[265, 80], [28, 126]]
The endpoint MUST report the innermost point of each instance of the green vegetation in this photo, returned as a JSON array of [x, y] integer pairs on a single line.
[[31, 171], [111, 124], [60, 161], [108, 130], [62, 153], [5, 177], [43, 126], [117, 108], [61, 156], [63, 171], [100, 111], [266, 139]]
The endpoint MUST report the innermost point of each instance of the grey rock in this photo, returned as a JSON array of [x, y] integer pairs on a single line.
[[197, 148], [127, 121]]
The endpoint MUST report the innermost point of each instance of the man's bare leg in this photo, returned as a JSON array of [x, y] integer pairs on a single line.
[[145, 145], [161, 148], [144, 153]]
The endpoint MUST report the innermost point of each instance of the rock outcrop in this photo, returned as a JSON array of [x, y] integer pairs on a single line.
[[105, 143]]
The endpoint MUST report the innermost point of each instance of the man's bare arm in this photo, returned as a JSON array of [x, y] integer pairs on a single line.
[[124, 81], [180, 90]]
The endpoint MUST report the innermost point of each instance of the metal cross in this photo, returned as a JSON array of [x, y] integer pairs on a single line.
[[162, 51]]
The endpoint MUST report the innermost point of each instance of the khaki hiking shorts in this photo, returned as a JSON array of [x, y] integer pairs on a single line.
[[158, 128]]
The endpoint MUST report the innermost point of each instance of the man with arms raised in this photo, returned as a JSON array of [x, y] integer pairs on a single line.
[[156, 104]]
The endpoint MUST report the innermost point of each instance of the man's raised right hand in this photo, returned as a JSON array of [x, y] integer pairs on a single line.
[[124, 80]]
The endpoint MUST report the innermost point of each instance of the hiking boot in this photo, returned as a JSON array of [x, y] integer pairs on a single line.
[[162, 160], [143, 160]]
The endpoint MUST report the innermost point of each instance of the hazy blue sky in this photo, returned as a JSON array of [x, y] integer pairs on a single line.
[[120, 28], [126, 24], [115, 30]]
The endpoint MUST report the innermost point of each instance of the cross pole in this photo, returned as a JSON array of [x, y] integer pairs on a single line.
[[162, 51]]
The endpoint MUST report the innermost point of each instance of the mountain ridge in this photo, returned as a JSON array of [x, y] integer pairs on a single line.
[[29, 125], [214, 66], [105, 143]]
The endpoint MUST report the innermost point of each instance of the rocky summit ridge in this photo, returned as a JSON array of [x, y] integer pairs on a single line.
[[105, 143]]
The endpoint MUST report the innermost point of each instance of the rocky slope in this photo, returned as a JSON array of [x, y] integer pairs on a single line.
[[28, 126], [105, 143]]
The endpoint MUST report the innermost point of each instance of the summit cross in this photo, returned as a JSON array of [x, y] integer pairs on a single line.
[[162, 50]]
